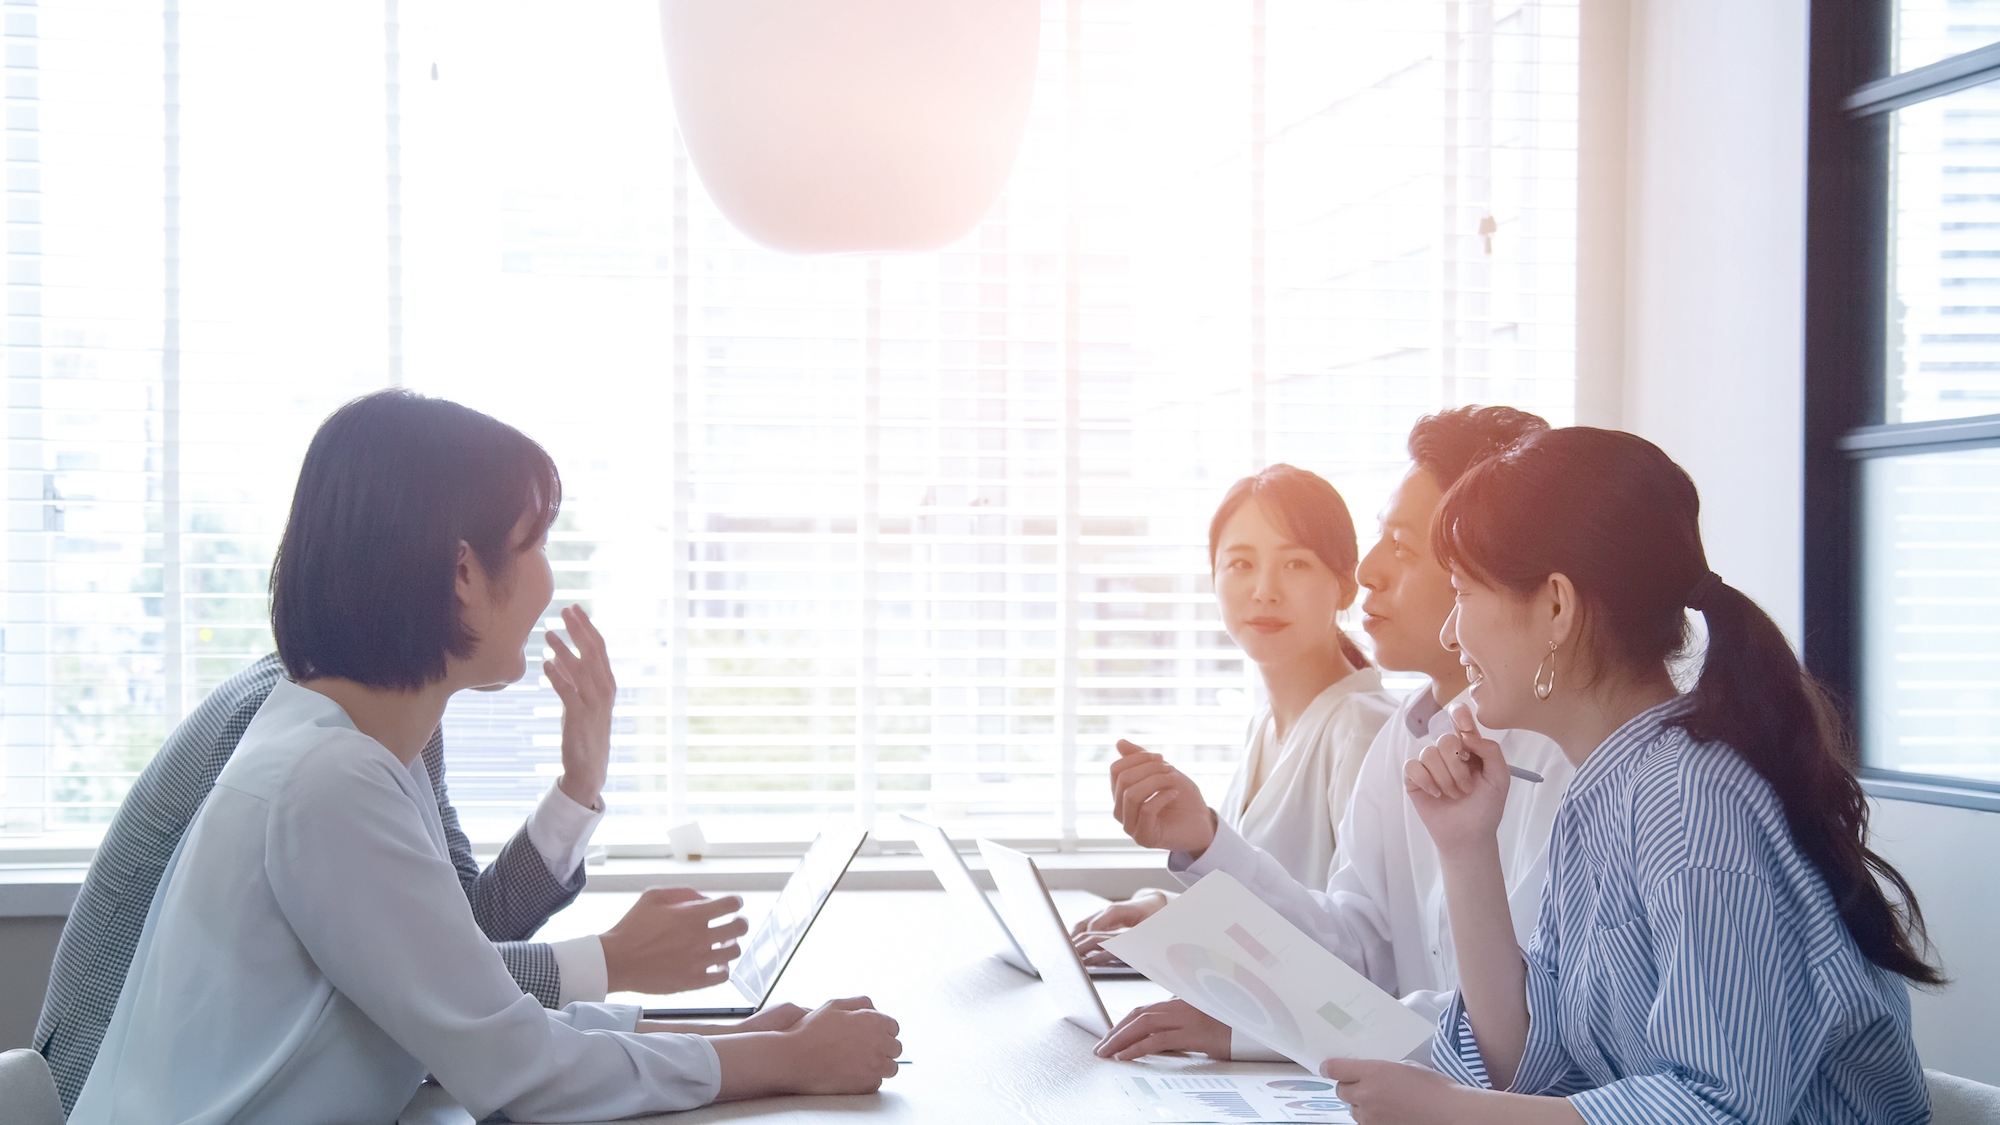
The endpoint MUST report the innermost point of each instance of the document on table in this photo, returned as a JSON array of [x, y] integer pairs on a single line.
[[1220, 948], [1235, 1097]]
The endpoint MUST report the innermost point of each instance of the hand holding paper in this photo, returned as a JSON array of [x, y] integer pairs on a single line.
[[1223, 950]]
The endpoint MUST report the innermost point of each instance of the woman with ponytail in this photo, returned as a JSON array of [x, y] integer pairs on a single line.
[[1715, 944], [1283, 552]]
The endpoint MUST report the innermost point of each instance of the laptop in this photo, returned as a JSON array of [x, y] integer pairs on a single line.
[[769, 948], [1041, 930], [978, 910]]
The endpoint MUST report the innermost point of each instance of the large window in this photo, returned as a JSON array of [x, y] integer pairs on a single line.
[[866, 535], [1904, 385]]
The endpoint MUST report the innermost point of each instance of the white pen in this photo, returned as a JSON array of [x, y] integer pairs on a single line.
[[1524, 775]]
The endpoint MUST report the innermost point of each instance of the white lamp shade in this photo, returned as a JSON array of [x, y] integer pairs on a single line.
[[829, 126]]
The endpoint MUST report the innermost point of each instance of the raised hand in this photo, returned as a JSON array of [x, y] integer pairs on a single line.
[[1158, 805], [1459, 785], [1170, 1025], [584, 683], [666, 942], [1088, 935]]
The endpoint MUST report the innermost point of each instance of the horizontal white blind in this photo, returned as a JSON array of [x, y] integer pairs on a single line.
[[867, 535]]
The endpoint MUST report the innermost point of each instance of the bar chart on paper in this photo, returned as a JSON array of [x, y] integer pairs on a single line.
[[1235, 1097]]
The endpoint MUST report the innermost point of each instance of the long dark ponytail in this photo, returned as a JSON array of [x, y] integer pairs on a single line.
[[1312, 512], [1612, 512]]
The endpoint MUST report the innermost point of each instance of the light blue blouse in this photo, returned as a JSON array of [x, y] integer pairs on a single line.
[[1689, 964], [309, 956]]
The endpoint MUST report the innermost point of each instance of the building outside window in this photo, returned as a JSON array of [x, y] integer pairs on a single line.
[[1903, 583]]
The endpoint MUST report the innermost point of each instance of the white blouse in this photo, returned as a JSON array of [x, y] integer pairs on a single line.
[[309, 957], [1309, 779], [1383, 910]]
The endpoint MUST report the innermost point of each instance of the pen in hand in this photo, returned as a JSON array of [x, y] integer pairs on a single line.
[[1461, 717]]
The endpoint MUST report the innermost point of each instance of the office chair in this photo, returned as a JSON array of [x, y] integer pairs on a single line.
[[27, 1090], [1961, 1101]]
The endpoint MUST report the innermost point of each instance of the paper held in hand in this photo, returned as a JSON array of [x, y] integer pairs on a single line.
[[1220, 948]]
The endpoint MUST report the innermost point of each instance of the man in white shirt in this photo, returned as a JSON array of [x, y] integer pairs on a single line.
[[1383, 909]]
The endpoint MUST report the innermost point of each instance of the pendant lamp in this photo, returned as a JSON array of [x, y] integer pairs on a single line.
[[852, 126]]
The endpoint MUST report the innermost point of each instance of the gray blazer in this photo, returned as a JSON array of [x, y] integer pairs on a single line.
[[510, 899]]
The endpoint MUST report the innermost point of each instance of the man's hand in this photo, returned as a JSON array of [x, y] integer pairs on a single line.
[[842, 1047], [1170, 1025], [584, 683], [1158, 805], [666, 944], [1088, 935]]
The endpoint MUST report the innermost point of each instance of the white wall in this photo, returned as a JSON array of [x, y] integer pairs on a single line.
[[1947, 854], [1712, 323], [27, 948], [1715, 260]]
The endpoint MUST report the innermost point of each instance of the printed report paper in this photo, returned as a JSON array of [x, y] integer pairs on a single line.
[[1220, 948], [1235, 1097]]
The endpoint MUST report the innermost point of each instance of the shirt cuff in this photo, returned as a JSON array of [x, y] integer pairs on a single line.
[[560, 830], [1454, 1050], [602, 1017], [1229, 852], [580, 972]]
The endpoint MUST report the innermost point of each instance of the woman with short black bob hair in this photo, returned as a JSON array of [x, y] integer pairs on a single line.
[[392, 486], [309, 955], [1714, 944]]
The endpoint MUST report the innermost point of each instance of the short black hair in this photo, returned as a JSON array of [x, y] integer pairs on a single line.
[[1449, 442], [362, 587]]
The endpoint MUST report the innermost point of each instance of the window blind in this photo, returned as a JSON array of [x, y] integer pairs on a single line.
[[866, 534]]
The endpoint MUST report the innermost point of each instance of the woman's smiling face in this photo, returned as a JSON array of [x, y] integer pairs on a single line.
[[1501, 640]]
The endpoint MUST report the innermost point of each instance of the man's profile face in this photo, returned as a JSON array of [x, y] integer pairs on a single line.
[[1408, 594]]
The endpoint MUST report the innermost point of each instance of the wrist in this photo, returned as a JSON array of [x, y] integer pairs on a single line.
[[755, 1064], [1470, 854], [614, 978], [1209, 842], [585, 791]]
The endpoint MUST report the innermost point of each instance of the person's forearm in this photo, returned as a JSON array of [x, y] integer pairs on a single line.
[[1491, 976], [1492, 1107], [754, 1065]]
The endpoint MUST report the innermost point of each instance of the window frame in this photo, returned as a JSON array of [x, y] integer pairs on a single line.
[[1851, 93]]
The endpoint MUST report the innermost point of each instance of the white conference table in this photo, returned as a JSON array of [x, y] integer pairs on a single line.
[[985, 1042]]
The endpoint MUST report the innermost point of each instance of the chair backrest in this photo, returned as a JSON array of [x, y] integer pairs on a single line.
[[27, 1090], [1961, 1101]]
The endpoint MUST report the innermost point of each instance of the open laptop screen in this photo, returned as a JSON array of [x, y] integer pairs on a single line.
[[770, 946]]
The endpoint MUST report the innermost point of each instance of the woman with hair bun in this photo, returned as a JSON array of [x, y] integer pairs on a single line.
[[1282, 548], [1715, 943]]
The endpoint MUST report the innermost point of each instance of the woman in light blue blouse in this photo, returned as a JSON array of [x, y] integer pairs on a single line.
[[1714, 945], [309, 955]]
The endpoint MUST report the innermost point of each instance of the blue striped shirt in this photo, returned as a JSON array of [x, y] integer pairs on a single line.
[[1689, 965]]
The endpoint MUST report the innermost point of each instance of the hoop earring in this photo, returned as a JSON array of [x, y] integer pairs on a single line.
[[1545, 686]]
